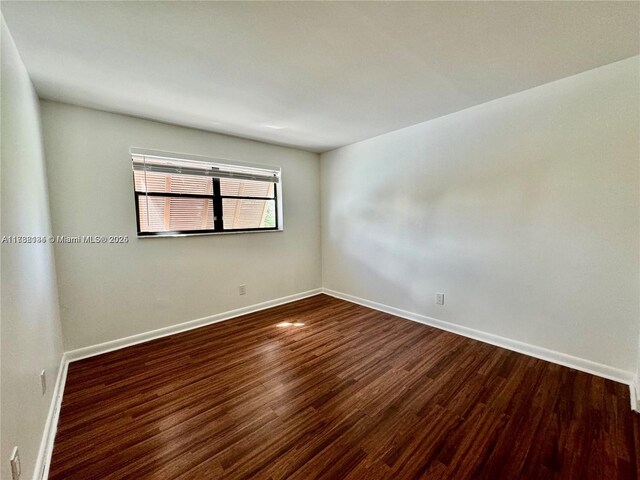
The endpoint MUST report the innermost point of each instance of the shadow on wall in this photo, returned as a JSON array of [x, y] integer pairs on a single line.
[[518, 232], [421, 233]]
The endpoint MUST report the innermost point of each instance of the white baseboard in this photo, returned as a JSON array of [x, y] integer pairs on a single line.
[[112, 345], [43, 461], [46, 445], [634, 389], [553, 356]]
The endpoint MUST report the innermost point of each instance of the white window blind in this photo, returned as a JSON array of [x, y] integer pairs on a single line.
[[147, 163]]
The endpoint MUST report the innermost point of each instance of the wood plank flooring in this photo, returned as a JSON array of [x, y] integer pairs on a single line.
[[351, 394]]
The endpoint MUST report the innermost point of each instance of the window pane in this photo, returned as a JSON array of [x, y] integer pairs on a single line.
[[166, 214], [246, 188], [242, 213], [172, 183]]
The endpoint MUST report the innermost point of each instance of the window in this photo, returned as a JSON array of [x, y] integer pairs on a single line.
[[192, 195]]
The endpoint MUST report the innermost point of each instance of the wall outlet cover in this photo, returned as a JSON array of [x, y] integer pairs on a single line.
[[16, 468], [43, 381]]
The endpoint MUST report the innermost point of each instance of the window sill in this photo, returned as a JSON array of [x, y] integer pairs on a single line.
[[237, 232]]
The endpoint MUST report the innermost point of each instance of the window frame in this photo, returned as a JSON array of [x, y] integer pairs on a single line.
[[216, 197]]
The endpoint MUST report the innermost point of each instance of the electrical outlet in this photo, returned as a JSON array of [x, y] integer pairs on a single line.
[[16, 468], [242, 289], [439, 298], [43, 381]]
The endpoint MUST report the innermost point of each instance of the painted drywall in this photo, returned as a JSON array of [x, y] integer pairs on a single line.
[[111, 291], [524, 211], [31, 337]]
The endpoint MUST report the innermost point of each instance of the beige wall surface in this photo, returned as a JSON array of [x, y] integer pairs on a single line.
[[31, 337], [111, 291], [524, 211]]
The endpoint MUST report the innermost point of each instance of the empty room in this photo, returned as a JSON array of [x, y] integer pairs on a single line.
[[320, 240]]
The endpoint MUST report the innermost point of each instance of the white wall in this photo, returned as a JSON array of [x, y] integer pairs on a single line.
[[31, 338], [109, 292], [524, 211]]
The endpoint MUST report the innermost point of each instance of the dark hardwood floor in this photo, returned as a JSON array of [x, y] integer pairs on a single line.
[[353, 393]]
